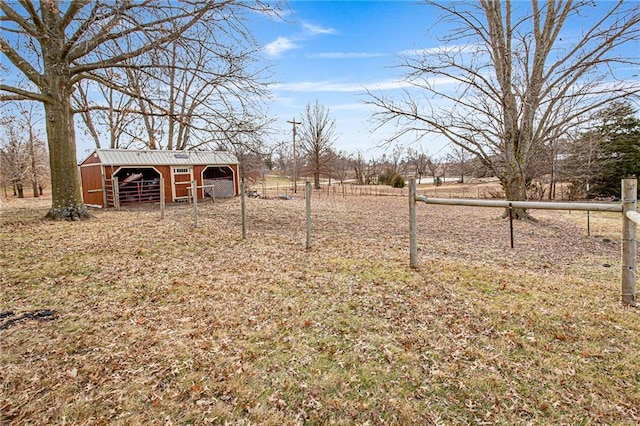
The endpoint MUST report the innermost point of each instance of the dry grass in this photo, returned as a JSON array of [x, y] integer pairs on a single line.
[[158, 322]]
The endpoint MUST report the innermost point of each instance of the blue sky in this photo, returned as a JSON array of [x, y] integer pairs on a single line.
[[331, 51]]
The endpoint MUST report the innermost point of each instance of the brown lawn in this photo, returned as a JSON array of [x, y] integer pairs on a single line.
[[158, 322]]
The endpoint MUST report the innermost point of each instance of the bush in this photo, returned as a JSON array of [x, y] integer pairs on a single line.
[[385, 177], [396, 181]]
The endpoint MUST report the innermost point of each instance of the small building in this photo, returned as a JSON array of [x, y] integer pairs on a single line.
[[138, 174]]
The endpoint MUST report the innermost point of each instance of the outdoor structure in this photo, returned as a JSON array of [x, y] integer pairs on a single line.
[[136, 175]]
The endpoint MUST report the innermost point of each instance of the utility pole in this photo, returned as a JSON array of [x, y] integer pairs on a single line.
[[295, 178]]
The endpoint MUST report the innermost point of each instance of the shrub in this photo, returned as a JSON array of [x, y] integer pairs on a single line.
[[385, 177], [396, 181]]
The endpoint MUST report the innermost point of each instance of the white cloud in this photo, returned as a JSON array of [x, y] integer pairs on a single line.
[[361, 106], [331, 86], [441, 49], [353, 87], [319, 86], [388, 85], [344, 55], [279, 46], [317, 29]]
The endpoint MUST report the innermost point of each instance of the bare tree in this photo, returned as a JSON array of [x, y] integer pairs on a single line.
[[434, 165], [15, 159], [584, 161], [359, 165], [198, 93], [518, 82], [461, 158], [417, 159], [341, 166], [395, 159], [37, 153], [252, 154], [283, 157], [23, 154], [55, 45], [317, 135]]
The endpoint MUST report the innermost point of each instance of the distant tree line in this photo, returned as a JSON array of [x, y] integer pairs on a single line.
[[24, 160], [607, 151], [529, 106], [597, 156]]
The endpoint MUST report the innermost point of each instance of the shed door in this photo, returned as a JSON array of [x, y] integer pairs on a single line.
[[181, 178]]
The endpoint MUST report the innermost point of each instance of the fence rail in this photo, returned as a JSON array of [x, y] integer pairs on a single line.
[[628, 207], [334, 190], [540, 205], [120, 192], [634, 216], [472, 189]]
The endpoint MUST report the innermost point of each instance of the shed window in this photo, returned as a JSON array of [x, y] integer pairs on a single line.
[[177, 171]]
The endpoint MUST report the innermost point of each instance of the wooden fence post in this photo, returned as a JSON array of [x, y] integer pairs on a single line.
[[629, 243], [243, 210], [307, 191], [116, 192], [194, 194], [413, 226], [162, 202], [105, 195]]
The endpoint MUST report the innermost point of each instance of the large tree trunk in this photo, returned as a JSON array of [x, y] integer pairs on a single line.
[[515, 189], [66, 199]]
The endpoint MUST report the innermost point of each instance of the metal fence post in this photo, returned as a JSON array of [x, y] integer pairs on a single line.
[[307, 191], [511, 223], [413, 226], [243, 211], [629, 242]]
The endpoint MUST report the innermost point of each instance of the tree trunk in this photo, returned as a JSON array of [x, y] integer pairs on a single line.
[[66, 199], [316, 180], [32, 155], [20, 189], [515, 190]]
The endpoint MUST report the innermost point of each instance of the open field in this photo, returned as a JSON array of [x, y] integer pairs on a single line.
[[157, 322]]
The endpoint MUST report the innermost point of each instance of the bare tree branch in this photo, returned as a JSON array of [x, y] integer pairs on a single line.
[[512, 83]]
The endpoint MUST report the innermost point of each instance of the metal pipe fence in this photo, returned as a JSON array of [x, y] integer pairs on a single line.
[[628, 208]]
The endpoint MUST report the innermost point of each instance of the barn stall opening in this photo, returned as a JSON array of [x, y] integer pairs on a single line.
[[137, 174]]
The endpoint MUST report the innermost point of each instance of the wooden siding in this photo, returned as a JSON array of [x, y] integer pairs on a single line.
[[91, 172], [92, 159], [236, 177], [92, 191]]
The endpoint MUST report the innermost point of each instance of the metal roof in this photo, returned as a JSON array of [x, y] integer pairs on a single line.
[[130, 157]]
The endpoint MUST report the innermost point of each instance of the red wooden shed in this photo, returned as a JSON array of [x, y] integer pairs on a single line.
[[138, 174]]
